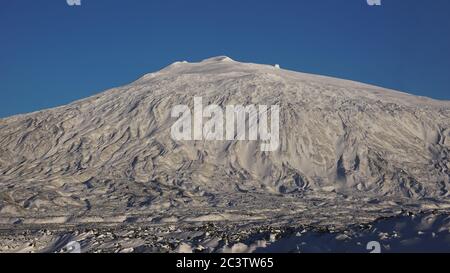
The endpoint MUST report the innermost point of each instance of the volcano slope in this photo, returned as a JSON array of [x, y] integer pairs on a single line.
[[348, 153]]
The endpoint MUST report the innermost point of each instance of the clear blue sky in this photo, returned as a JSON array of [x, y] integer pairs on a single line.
[[52, 54]]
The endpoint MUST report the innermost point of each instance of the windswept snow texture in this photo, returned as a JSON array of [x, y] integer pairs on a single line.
[[349, 153]]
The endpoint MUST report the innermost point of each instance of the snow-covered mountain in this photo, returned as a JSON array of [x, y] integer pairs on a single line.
[[347, 152]]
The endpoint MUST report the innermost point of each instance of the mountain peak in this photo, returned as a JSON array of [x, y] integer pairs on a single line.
[[218, 59], [113, 155]]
